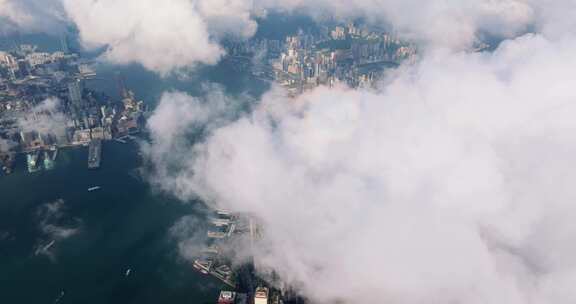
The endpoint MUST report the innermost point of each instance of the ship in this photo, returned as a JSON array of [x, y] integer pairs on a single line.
[[45, 248], [203, 265], [94, 154], [32, 161], [93, 188]]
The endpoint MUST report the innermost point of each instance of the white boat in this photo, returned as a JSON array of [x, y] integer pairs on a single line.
[[45, 248], [48, 246], [93, 188], [128, 271]]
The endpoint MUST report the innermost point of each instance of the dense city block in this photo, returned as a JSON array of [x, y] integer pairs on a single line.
[[45, 104]]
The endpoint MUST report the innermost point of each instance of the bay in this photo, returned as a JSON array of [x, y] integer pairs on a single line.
[[124, 225]]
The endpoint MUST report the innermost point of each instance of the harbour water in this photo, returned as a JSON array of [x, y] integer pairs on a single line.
[[81, 255], [124, 225]]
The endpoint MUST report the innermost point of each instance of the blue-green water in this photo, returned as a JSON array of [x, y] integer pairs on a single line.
[[123, 225]]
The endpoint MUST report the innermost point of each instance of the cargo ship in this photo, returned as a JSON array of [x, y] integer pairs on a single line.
[[94, 154], [203, 265]]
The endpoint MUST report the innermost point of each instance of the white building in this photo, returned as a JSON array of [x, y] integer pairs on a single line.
[[261, 295]]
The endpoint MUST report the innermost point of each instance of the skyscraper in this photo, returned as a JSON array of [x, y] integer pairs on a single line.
[[64, 44], [75, 92]]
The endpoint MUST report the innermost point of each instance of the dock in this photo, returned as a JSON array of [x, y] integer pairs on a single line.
[[94, 154]]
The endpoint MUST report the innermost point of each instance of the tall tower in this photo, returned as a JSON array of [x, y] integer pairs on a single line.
[[120, 82], [64, 44], [75, 94]]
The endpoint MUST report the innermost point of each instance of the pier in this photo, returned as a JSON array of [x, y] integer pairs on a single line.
[[94, 154]]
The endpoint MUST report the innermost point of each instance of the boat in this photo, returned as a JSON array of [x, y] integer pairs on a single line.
[[203, 265], [49, 245], [45, 248], [93, 188], [128, 271]]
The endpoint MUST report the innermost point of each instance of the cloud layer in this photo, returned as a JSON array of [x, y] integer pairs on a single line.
[[6, 145], [30, 15], [45, 118], [451, 183], [160, 35], [168, 35]]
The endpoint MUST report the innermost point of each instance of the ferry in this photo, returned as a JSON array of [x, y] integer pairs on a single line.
[[45, 248], [203, 265]]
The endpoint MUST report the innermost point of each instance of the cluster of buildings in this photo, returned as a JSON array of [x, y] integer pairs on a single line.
[[75, 116], [245, 287], [215, 260], [350, 55], [261, 295]]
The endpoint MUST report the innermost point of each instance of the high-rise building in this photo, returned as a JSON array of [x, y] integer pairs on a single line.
[[75, 92], [64, 44], [261, 295]]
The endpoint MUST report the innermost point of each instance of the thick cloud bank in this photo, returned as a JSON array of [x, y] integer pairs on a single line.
[[443, 23], [161, 35], [29, 15], [451, 183], [6, 145], [168, 35]]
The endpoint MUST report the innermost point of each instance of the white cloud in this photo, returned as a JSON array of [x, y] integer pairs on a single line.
[[228, 17], [439, 23], [177, 115], [450, 183], [45, 118], [30, 15], [55, 225], [190, 237], [6, 145], [162, 36], [168, 35]]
